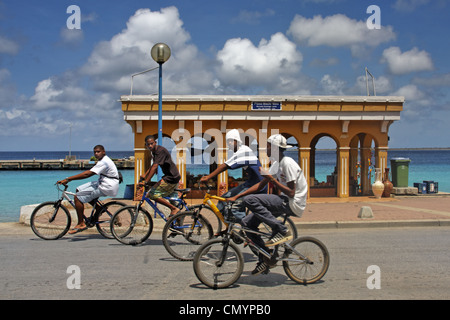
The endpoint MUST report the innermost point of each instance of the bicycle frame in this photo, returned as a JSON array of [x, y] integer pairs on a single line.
[[65, 196], [234, 230], [207, 202], [152, 204]]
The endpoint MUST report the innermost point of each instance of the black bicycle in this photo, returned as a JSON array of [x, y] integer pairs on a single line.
[[184, 232], [219, 262], [51, 220]]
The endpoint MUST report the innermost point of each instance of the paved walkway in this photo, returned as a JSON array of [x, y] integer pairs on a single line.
[[423, 210]]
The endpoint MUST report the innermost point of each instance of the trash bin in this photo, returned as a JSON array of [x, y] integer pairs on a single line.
[[430, 186], [400, 172], [129, 191]]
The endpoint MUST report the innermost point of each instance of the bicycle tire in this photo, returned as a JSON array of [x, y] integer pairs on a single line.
[[310, 270], [103, 223], [206, 266], [209, 215], [50, 230], [289, 223], [126, 233], [184, 232], [266, 229]]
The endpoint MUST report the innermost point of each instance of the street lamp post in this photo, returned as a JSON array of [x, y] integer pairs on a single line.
[[160, 53]]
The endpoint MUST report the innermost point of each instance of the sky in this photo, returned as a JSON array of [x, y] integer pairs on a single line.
[[61, 77]]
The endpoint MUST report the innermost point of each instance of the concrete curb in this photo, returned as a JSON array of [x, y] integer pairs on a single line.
[[8, 228], [372, 224]]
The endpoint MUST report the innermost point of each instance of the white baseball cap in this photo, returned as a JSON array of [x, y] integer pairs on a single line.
[[279, 141], [233, 135]]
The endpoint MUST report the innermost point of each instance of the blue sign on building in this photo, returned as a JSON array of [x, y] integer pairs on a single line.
[[268, 105]]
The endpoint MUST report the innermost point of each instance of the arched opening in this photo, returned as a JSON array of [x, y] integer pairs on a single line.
[[238, 176], [200, 161], [167, 143], [323, 171], [362, 164]]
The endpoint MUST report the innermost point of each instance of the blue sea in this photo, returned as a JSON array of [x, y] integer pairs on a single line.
[[19, 188]]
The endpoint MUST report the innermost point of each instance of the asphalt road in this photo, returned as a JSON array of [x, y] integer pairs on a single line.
[[405, 263]]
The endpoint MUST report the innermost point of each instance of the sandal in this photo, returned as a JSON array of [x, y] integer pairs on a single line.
[[76, 230]]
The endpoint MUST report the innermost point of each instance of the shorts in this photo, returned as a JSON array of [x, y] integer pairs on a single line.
[[88, 192], [161, 189]]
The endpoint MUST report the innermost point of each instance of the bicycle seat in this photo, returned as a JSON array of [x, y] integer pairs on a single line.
[[187, 190]]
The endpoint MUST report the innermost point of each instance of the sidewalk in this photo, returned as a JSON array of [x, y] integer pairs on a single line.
[[399, 211], [321, 213]]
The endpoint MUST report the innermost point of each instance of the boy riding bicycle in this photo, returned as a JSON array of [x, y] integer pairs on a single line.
[[286, 175], [243, 157], [107, 185], [171, 176]]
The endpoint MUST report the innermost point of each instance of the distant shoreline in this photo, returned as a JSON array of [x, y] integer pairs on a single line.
[[403, 149], [325, 149]]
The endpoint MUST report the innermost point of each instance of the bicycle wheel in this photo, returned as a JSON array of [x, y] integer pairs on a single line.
[[311, 265], [289, 224], [218, 263], [104, 218], [131, 226], [209, 215], [184, 233], [50, 220]]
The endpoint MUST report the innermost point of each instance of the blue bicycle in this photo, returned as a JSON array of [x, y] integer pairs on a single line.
[[132, 225]]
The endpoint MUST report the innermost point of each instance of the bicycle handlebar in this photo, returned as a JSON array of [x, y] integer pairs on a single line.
[[209, 190], [205, 184], [65, 186]]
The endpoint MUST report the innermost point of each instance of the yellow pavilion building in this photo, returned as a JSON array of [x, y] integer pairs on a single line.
[[359, 125]]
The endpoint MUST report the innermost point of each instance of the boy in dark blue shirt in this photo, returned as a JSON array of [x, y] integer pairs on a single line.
[[243, 157]]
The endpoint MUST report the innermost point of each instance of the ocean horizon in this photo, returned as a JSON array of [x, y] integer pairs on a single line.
[[25, 187]]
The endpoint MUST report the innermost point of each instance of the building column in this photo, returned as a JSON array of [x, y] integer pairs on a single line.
[[139, 165], [381, 154], [353, 170], [222, 178], [366, 187], [343, 187], [181, 165], [304, 155]]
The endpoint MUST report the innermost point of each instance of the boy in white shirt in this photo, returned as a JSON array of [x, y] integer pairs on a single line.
[[106, 185], [287, 176]]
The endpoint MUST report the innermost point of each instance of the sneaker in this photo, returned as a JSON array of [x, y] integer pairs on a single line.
[[261, 267], [279, 238]]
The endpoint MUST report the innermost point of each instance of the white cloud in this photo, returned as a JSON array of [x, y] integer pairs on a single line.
[[338, 31], [418, 104], [408, 61], [112, 62], [271, 62], [332, 85], [8, 46], [383, 85], [71, 36], [412, 93], [45, 94]]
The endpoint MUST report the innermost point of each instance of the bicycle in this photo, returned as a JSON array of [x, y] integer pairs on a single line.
[[219, 263], [132, 225], [186, 231], [51, 220]]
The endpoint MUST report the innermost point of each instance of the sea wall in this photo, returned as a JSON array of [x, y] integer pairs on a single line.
[[58, 164]]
